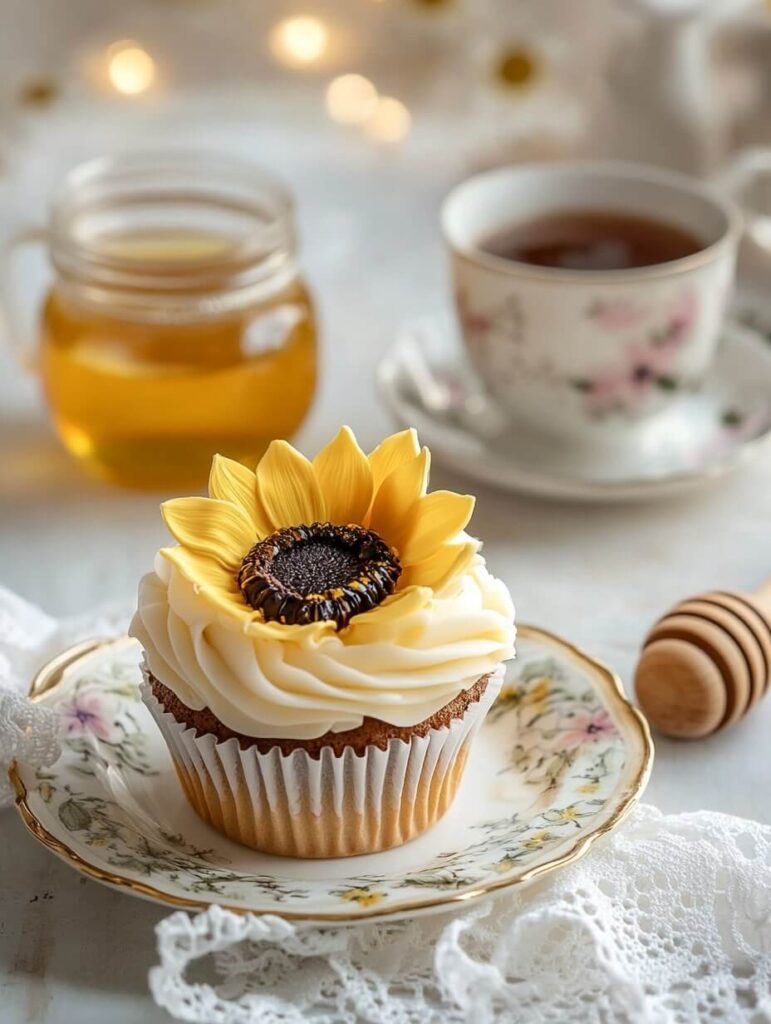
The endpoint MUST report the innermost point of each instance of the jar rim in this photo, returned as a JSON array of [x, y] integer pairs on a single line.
[[203, 182]]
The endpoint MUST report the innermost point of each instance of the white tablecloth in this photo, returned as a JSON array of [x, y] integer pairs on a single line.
[[597, 575]]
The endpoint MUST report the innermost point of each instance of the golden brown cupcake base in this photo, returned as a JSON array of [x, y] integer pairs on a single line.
[[295, 830]]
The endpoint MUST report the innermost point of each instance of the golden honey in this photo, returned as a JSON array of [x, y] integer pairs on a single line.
[[147, 404], [166, 343]]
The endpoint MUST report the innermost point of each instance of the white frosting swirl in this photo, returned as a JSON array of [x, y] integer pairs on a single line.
[[417, 662]]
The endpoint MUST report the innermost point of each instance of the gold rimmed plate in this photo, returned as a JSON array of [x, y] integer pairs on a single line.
[[559, 761]]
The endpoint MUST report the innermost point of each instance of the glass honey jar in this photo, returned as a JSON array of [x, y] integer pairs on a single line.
[[177, 324]]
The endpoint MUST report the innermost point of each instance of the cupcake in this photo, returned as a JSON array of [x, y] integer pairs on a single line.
[[321, 645]]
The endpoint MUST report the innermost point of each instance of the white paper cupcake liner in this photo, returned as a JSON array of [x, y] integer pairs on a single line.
[[333, 805]]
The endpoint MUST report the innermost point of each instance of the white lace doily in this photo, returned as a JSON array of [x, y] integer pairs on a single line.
[[666, 921]]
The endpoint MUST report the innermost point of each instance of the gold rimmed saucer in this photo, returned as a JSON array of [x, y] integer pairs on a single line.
[[560, 760]]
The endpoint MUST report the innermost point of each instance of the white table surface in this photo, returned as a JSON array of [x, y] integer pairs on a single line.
[[73, 951]]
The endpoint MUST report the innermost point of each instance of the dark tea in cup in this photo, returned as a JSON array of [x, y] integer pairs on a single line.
[[592, 240]]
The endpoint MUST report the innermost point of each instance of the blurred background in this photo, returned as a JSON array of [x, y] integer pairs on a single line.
[[473, 81], [369, 111]]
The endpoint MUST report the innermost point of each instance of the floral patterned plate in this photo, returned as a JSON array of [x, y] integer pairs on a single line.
[[559, 761], [427, 382]]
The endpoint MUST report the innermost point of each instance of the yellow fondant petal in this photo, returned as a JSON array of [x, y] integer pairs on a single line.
[[287, 487], [368, 626], [218, 586], [232, 481], [392, 452], [211, 579], [439, 517], [448, 563], [345, 479], [311, 632], [394, 505], [212, 527]]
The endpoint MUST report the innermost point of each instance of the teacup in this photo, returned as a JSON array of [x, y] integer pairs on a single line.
[[565, 350]]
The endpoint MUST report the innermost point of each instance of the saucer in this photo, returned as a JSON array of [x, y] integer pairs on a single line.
[[427, 382], [560, 759]]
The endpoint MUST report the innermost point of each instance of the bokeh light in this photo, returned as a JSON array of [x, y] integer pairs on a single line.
[[389, 122], [131, 69], [299, 41], [517, 67], [351, 99]]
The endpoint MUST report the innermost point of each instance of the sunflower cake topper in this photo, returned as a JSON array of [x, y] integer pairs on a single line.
[[298, 546]]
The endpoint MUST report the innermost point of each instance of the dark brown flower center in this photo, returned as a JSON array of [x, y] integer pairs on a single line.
[[317, 573]]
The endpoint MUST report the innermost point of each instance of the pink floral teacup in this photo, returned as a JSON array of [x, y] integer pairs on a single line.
[[565, 350]]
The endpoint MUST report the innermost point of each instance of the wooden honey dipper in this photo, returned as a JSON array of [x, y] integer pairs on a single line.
[[706, 662]]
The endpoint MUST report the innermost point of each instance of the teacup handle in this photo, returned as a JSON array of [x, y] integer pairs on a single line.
[[753, 164], [20, 331]]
